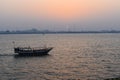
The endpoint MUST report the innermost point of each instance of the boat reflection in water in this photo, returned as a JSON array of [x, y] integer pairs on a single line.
[[28, 51]]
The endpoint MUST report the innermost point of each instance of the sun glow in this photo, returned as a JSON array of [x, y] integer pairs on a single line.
[[58, 9]]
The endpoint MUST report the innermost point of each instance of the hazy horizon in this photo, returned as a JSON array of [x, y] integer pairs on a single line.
[[60, 14]]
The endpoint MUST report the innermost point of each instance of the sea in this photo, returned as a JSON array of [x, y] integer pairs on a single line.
[[74, 57]]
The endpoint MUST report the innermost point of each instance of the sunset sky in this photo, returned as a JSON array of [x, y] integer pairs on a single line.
[[56, 14]]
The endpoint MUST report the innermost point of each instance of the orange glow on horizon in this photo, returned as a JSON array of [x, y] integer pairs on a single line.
[[65, 10], [59, 9]]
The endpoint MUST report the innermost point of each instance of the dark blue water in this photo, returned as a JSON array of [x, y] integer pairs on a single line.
[[75, 56]]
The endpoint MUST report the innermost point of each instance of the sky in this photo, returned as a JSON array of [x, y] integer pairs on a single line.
[[60, 14]]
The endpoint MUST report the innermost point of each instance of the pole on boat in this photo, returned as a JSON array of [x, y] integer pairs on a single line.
[[44, 45], [13, 44]]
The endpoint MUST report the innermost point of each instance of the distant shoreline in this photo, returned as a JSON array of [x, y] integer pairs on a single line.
[[61, 32], [36, 31]]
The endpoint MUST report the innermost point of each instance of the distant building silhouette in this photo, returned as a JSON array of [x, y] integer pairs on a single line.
[[36, 31]]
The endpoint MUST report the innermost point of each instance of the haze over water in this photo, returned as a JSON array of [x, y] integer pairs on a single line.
[[75, 56], [57, 14]]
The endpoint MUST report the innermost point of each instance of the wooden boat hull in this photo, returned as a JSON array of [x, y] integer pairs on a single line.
[[33, 52]]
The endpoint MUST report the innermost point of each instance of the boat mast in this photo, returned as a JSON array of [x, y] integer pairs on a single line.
[[44, 42], [13, 44]]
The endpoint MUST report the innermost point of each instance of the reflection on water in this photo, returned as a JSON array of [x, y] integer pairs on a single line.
[[23, 56], [75, 56]]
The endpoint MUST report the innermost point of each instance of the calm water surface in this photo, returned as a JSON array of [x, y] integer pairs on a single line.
[[74, 57]]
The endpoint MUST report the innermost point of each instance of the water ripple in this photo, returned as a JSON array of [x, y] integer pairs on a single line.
[[75, 57]]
